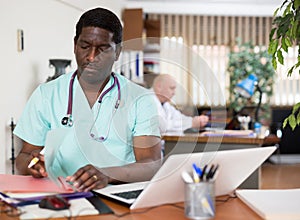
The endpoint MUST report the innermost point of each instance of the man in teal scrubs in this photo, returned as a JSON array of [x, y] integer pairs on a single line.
[[114, 135]]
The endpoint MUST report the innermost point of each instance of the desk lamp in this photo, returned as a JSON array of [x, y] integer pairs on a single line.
[[246, 89]]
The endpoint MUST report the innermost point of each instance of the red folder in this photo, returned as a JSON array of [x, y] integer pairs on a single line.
[[20, 183]]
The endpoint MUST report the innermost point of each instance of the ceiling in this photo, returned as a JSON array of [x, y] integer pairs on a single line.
[[216, 7], [217, 1], [211, 7]]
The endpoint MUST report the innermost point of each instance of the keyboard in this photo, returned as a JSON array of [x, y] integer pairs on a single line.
[[129, 194]]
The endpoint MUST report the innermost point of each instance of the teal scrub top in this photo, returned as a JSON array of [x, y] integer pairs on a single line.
[[136, 116]]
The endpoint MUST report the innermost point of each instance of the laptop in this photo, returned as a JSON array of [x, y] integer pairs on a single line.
[[167, 185]]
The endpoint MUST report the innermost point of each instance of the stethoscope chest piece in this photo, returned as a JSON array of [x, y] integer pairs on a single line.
[[67, 121]]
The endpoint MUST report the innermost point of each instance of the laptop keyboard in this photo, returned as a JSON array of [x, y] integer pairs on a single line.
[[129, 194]]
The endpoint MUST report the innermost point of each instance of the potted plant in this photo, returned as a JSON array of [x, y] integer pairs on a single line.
[[246, 59], [285, 34]]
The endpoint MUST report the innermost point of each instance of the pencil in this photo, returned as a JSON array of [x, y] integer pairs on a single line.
[[36, 159]]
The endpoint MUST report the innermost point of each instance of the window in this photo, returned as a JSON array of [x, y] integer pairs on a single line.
[[194, 50]]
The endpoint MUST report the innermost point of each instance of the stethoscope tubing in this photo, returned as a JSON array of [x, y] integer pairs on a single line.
[[67, 120], [70, 99]]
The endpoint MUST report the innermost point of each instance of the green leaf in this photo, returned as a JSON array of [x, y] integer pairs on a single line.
[[296, 4], [296, 107], [274, 63], [288, 42], [275, 12], [283, 45], [290, 72], [280, 57], [271, 35], [287, 9], [286, 19], [298, 118], [285, 122], [292, 121], [286, 1], [294, 30], [273, 47]]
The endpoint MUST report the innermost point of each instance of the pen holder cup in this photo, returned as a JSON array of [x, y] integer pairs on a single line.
[[200, 200]]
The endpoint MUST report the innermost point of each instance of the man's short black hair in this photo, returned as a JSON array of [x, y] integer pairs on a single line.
[[102, 18]]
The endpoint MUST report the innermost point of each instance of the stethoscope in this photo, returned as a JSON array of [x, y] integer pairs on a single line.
[[68, 120]]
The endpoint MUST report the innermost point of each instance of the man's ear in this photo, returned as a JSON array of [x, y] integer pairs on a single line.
[[118, 51], [74, 46]]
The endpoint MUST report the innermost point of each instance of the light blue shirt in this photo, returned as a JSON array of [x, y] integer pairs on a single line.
[[136, 116]]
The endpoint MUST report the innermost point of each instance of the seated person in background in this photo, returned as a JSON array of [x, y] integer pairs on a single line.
[[171, 119], [123, 141]]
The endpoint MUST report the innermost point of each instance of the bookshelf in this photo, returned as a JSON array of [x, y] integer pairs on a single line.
[[141, 47]]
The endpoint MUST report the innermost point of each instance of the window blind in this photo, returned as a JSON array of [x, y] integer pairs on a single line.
[[195, 48]]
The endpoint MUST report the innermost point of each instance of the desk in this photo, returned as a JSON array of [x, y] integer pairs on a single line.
[[271, 140], [233, 209], [187, 143]]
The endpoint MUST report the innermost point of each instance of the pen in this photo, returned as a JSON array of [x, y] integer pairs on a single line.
[[215, 170], [214, 177], [210, 172], [196, 173], [5, 198], [208, 206], [198, 169], [214, 173], [186, 177], [203, 172], [36, 159]]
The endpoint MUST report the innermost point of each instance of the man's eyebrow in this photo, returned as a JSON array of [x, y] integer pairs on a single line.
[[100, 45], [84, 41]]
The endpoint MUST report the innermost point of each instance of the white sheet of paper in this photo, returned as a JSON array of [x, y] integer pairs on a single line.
[[273, 204], [79, 207]]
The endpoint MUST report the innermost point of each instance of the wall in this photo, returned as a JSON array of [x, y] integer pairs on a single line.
[[49, 27]]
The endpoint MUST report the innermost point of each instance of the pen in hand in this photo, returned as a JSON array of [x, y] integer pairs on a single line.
[[36, 159]]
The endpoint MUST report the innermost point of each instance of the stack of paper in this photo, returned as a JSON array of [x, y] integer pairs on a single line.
[[22, 187], [273, 204]]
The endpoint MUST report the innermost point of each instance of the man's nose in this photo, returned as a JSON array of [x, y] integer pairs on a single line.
[[92, 54]]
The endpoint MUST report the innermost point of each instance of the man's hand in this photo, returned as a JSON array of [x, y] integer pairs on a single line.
[[147, 151], [88, 178], [27, 153], [38, 170], [200, 121]]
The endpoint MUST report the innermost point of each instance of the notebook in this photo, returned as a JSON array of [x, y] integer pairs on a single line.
[[272, 203], [167, 186]]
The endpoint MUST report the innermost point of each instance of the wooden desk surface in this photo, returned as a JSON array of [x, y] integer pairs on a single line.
[[233, 209], [269, 140], [212, 139]]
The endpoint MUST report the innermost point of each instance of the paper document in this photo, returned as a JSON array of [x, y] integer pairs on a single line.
[[79, 207], [273, 204], [20, 183], [230, 133]]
